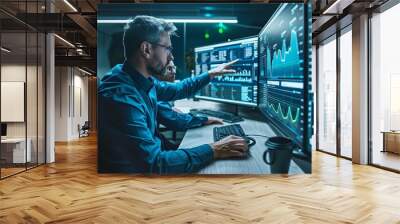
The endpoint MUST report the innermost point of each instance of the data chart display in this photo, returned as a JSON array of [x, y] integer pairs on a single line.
[[284, 85], [239, 87]]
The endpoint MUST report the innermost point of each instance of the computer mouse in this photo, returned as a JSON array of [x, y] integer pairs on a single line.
[[250, 141]]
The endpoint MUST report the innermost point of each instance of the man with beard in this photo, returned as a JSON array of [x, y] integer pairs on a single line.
[[128, 138]]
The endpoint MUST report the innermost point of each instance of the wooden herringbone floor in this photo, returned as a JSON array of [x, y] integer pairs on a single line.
[[71, 191]]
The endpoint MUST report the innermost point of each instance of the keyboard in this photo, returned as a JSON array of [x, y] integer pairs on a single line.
[[224, 131], [233, 129], [225, 116]]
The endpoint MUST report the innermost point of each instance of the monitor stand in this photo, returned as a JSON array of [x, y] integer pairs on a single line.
[[236, 110]]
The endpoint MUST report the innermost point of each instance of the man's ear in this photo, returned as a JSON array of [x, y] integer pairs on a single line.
[[146, 49]]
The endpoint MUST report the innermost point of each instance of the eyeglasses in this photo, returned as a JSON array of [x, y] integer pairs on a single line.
[[168, 48], [171, 68]]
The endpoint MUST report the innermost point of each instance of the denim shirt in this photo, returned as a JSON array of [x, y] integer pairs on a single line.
[[128, 139], [177, 121]]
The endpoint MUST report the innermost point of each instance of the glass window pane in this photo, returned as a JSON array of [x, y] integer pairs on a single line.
[[23, 87], [15, 150], [385, 86], [32, 84], [31, 96], [41, 98], [346, 94], [314, 86], [327, 96]]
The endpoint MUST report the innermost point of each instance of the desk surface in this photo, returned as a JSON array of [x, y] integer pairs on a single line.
[[254, 164], [13, 140], [391, 132]]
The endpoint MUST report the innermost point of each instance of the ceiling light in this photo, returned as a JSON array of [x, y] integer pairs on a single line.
[[5, 50], [70, 5], [84, 71], [214, 20], [65, 41], [337, 7], [180, 20]]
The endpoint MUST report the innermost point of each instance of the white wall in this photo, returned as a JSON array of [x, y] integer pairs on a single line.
[[71, 93], [33, 126], [80, 111], [61, 103], [12, 101], [13, 72], [16, 73]]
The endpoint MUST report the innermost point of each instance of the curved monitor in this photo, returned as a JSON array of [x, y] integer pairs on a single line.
[[237, 88], [285, 96]]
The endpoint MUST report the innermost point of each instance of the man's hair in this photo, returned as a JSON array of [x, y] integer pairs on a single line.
[[144, 28]]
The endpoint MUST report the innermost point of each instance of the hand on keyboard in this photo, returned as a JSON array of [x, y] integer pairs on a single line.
[[213, 120], [231, 146]]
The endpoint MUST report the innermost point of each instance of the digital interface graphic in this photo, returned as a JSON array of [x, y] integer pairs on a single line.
[[283, 80], [238, 88]]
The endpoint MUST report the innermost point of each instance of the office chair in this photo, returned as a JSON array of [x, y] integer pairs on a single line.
[[84, 130]]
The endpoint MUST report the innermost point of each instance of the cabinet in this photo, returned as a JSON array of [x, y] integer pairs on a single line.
[[391, 141], [13, 150]]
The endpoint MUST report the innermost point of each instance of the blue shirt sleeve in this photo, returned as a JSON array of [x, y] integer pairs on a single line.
[[129, 118], [186, 88], [177, 121]]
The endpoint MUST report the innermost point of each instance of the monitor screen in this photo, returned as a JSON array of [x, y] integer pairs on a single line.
[[3, 129], [285, 76], [237, 88]]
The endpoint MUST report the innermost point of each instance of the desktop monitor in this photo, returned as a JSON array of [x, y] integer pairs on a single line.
[[285, 96], [239, 88], [3, 129]]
